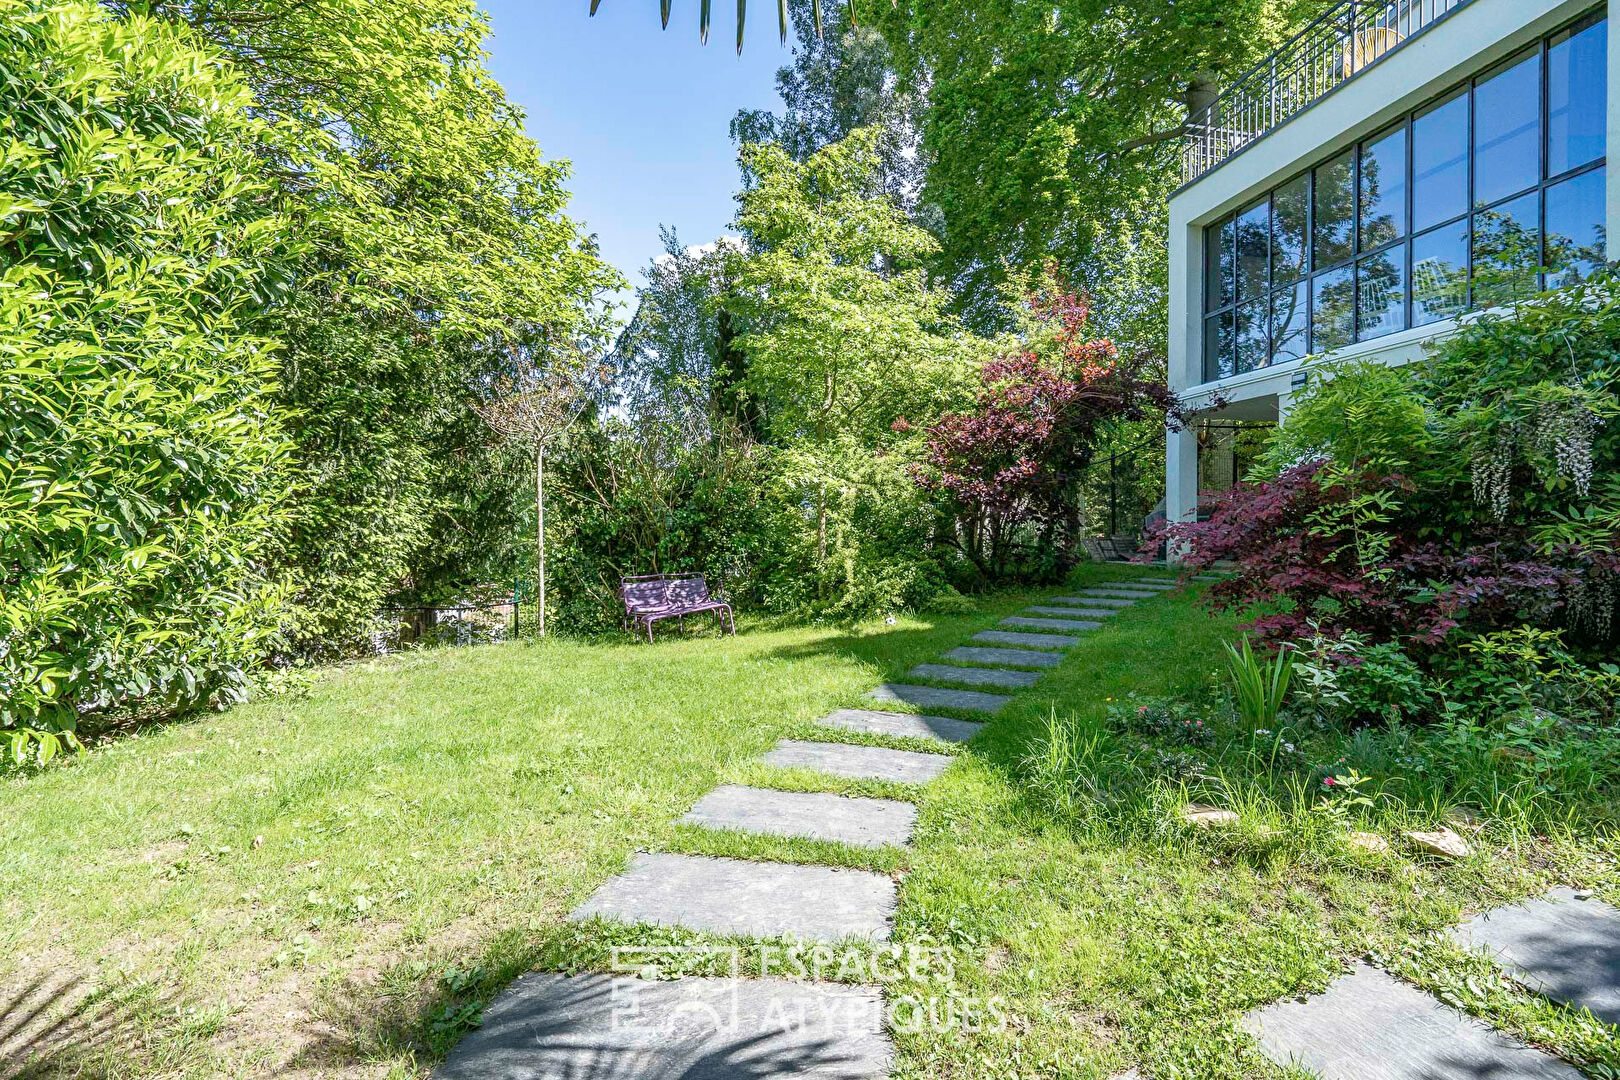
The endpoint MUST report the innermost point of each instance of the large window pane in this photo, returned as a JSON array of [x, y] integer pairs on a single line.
[[1507, 129], [1334, 230], [1290, 325], [1253, 335], [1576, 234], [1440, 274], [1253, 250], [1440, 163], [1383, 189], [1220, 265], [1290, 222], [1381, 293], [1577, 96], [1507, 251], [1333, 310], [1218, 346]]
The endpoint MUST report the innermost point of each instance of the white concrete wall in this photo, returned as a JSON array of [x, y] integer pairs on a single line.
[[1461, 46]]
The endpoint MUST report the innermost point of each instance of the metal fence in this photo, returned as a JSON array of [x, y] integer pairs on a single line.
[[1346, 40]]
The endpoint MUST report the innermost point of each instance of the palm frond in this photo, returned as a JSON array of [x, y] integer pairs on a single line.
[[742, 17]]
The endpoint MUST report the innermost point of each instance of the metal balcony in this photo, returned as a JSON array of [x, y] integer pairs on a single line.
[[1346, 40]]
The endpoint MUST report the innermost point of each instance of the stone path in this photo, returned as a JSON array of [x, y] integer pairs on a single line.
[[1369, 1024], [552, 1026], [1565, 945]]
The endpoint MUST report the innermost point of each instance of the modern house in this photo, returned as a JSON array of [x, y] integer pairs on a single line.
[[1395, 166]]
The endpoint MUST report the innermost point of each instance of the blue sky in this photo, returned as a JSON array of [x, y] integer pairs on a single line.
[[642, 113]]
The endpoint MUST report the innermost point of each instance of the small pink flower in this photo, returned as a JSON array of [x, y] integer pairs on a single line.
[[1327, 781]]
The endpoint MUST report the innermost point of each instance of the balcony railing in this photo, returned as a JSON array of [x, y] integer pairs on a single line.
[[1346, 40]]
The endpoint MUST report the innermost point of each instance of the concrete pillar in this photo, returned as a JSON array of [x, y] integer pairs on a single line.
[[1613, 176], [1181, 476]]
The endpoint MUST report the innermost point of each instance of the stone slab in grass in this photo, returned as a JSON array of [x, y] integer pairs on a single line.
[[1049, 624], [967, 654], [934, 697], [973, 676], [859, 762], [1142, 585], [1560, 946], [1078, 612], [1026, 641], [1124, 592], [561, 1027], [811, 815], [1094, 601], [1369, 1025], [749, 899], [908, 725]]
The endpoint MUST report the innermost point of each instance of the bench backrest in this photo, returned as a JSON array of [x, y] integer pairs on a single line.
[[663, 592]]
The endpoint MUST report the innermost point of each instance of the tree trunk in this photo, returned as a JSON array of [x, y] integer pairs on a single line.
[[540, 530], [821, 539]]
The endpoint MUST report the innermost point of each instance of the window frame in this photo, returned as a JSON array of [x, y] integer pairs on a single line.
[[1407, 241]]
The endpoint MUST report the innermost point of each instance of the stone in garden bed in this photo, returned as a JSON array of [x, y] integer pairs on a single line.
[[550, 1027], [1371, 1026], [1005, 657], [750, 899], [809, 815], [973, 676], [934, 697], [1369, 841], [1208, 817], [1560, 945], [1026, 641], [1442, 842], [860, 762], [908, 725], [1050, 624]]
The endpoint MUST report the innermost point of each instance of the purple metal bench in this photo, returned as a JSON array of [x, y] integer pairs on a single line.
[[650, 597]]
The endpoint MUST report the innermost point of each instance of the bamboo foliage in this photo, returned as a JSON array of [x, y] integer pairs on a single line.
[[704, 17]]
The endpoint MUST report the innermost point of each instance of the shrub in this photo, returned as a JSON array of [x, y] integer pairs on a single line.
[[141, 462]]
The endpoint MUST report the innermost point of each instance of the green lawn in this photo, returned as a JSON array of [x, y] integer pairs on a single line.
[[333, 884]]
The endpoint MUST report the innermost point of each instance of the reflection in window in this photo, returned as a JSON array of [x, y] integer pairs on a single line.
[[1290, 222], [1290, 325], [1440, 274], [1335, 232], [1577, 97], [1218, 347], [1507, 251], [1383, 190], [1440, 163], [1381, 293], [1576, 234], [1333, 315], [1220, 244], [1253, 337], [1253, 246], [1507, 130]]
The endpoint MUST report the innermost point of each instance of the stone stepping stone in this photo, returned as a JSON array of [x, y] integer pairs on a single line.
[[812, 815], [860, 762], [1050, 624], [1128, 591], [974, 676], [967, 654], [1082, 612], [1095, 601], [1369, 1025], [934, 697], [748, 899], [552, 1027], [1560, 946], [907, 725], [1026, 641]]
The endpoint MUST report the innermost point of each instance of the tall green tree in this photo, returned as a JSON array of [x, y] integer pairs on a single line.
[[845, 334], [437, 242], [1050, 131], [142, 453]]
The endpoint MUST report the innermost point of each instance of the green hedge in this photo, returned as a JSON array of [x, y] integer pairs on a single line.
[[141, 465]]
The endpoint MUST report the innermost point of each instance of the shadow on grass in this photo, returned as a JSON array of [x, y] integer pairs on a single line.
[[64, 1026]]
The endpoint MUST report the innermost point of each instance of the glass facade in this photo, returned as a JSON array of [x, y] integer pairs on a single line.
[[1482, 196]]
